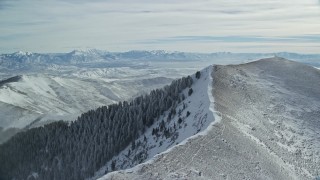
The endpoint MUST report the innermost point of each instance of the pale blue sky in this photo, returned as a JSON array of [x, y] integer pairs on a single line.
[[182, 25]]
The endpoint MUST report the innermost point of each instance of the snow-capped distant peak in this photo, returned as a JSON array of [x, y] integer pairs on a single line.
[[87, 52], [22, 53]]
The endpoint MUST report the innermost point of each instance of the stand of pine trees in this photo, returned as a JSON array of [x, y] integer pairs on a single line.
[[75, 151]]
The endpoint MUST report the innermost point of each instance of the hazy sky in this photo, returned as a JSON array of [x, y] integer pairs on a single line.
[[182, 25]]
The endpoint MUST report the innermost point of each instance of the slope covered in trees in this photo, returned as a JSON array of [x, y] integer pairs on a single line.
[[175, 127], [75, 151]]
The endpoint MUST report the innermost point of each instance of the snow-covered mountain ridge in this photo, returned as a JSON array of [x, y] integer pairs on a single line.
[[62, 86], [269, 128], [193, 115]]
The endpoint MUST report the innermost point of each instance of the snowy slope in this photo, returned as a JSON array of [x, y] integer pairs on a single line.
[[196, 113], [269, 128], [38, 99], [50, 91], [67, 92]]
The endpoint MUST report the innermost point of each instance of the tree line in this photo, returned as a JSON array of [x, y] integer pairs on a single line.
[[76, 150]]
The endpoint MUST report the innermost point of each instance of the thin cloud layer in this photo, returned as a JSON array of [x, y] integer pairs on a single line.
[[203, 26]]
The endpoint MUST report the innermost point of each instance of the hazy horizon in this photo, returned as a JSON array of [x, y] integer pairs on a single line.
[[202, 26], [169, 51]]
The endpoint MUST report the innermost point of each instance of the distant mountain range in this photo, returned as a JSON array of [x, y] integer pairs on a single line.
[[26, 60]]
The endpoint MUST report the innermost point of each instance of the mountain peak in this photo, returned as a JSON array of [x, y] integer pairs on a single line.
[[22, 53], [87, 51]]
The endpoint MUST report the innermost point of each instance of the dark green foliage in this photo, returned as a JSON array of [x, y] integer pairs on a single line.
[[113, 165], [133, 145], [77, 150], [190, 91], [188, 113], [198, 74]]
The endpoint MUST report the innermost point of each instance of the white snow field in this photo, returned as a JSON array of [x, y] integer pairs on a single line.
[[269, 128]]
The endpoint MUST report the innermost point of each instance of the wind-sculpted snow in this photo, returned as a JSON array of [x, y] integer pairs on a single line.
[[269, 128]]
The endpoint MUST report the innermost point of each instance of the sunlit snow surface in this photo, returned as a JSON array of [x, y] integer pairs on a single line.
[[269, 128]]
